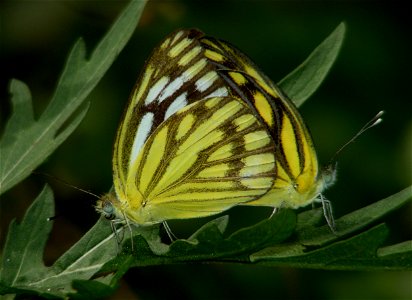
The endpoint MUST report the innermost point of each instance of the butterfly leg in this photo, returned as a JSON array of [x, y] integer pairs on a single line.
[[130, 230], [328, 213], [116, 235], [169, 232], [119, 239], [275, 210]]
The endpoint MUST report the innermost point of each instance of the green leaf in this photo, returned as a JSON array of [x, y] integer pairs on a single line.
[[22, 268], [23, 252], [398, 256], [356, 253], [318, 247], [209, 242], [405, 247], [27, 142], [270, 241], [90, 289], [355, 221], [302, 82], [206, 244], [311, 247]]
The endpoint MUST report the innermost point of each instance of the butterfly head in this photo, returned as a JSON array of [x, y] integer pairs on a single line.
[[328, 175], [107, 207]]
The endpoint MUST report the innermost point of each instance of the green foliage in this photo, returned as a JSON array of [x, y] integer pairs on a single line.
[[93, 266], [349, 248], [277, 241], [22, 268], [27, 142], [302, 82]]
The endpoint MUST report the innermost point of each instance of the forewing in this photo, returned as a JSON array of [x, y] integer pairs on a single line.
[[176, 74]]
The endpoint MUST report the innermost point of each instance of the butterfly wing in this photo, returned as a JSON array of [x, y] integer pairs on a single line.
[[297, 180], [225, 56], [176, 74], [202, 160], [297, 168], [185, 68]]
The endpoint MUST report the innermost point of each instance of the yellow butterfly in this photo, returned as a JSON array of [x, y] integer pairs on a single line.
[[154, 181], [183, 148], [299, 180]]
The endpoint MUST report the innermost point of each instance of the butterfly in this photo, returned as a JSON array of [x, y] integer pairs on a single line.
[[186, 68], [184, 147], [299, 179]]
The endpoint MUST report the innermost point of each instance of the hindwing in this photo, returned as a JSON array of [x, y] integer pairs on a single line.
[[296, 160], [297, 169], [204, 159]]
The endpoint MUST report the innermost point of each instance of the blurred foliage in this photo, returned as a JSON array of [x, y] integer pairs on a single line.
[[373, 72]]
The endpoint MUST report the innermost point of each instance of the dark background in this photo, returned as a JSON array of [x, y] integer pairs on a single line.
[[373, 72]]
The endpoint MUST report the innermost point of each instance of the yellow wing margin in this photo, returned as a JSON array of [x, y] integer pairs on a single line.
[[204, 159]]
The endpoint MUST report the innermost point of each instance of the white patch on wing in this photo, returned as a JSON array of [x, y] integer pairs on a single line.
[[182, 79], [171, 88], [177, 36], [194, 69], [203, 83], [141, 136], [176, 105], [220, 92], [156, 89]]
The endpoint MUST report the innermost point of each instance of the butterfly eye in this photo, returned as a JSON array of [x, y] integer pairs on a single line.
[[108, 210], [329, 174]]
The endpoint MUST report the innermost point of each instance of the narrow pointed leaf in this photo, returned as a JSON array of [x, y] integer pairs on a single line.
[[302, 82]]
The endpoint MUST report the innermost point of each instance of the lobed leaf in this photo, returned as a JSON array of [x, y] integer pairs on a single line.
[[22, 267], [269, 242], [27, 142]]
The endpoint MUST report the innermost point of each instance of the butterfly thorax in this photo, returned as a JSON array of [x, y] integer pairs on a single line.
[[116, 210]]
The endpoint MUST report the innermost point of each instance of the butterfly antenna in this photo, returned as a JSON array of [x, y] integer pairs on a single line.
[[66, 183], [373, 122]]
